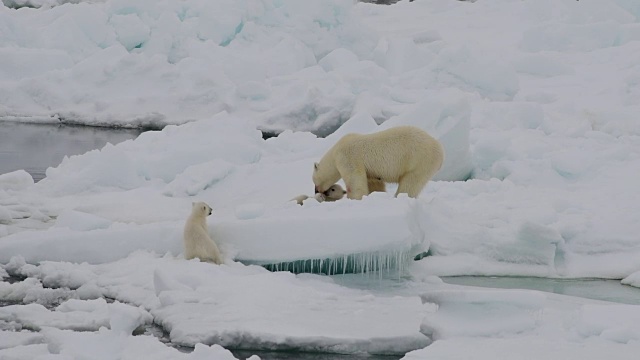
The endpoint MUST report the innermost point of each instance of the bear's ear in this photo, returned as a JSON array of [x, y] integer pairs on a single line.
[[315, 166]]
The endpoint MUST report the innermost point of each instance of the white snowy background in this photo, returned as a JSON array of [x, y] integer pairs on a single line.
[[536, 101]]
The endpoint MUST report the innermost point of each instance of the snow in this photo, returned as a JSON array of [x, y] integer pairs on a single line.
[[235, 305], [535, 102], [633, 279], [500, 323], [77, 316]]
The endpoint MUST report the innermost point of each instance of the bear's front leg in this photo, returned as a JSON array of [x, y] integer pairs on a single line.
[[356, 184]]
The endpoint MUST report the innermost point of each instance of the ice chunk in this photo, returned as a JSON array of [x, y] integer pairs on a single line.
[[400, 55], [31, 290], [337, 58], [336, 319], [125, 318], [540, 65], [132, 32], [10, 339], [82, 305], [446, 115], [617, 323], [632, 280], [97, 246], [250, 211], [568, 37], [528, 347], [379, 227], [5, 215], [78, 315], [493, 79], [481, 312], [89, 291], [33, 351], [163, 282], [24, 62], [80, 221], [35, 317], [16, 180], [197, 178]]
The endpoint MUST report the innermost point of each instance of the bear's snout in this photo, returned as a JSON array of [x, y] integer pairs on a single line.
[[317, 191]]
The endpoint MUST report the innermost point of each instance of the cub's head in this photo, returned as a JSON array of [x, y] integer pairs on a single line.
[[324, 176], [335, 192], [200, 208]]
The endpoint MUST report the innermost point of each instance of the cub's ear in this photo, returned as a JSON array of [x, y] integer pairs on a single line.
[[315, 166]]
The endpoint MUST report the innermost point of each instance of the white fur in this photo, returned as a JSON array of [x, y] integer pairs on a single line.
[[197, 242], [334, 193], [405, 155]]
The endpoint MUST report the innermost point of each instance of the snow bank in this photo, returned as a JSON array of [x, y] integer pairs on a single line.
[[336, 319], [500, 323], [132, 163], [10, 339], [527, 348], [77, 315], [470, 313], [633, 279], [389, 235], [32, 291], [611, 323], [93, 246], [285, 311], [142, 53], [376, 225], [536, 219], [55, 343], [447, 116], [16, 180]]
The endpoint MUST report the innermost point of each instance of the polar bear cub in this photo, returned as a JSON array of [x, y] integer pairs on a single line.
[[334, 193], [197, 242], [405, 155]]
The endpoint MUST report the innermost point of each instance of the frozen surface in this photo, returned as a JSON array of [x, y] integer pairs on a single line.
[[536, 103], [500, 323], [53, 343], [237, 306], [632, 280], [590, 288], [78, 315]]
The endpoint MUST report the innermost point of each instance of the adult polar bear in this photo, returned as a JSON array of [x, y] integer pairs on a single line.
[[405, 155]]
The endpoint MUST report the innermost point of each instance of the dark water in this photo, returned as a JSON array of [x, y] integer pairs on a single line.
[[163, 336], [282, 355], [596, 289], [35, 147]]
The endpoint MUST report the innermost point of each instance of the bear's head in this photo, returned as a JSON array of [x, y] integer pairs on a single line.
[[324, 176], [201, 208]]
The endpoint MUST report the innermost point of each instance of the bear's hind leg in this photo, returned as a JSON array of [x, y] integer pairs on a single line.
[[412, 183], [376, 184], [212, 253]]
